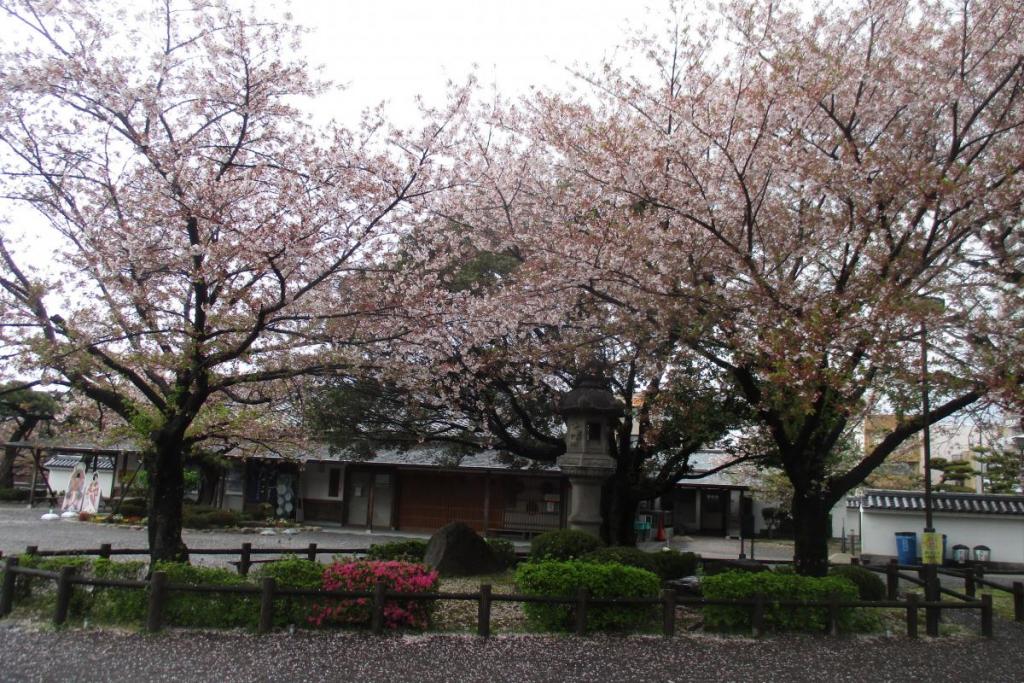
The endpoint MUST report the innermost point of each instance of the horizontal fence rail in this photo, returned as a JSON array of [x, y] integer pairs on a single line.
[[158, 589]]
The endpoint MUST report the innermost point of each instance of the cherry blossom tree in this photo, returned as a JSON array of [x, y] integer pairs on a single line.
[[211, 244], [783, 193]]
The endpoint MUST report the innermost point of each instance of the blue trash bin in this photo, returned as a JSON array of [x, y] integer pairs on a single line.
[[906, 547]]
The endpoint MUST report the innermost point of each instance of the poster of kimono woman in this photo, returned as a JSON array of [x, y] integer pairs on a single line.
[[76, 490]]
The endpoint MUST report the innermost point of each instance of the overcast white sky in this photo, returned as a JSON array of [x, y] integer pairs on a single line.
[[394, 49]]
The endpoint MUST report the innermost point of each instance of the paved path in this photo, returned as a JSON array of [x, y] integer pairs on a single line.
[[21, 527]]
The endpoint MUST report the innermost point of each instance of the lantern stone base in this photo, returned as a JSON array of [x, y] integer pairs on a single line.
[[585, 499]]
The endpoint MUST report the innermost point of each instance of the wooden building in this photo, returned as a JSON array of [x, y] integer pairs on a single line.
[[417, 490]]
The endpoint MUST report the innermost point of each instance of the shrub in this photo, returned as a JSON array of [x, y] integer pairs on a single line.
[[671, 564], [773, 586], [41, 594], [293, 572], [360, 576], [209, 610], [13, 495], [133, 507], [204, 517], [119, 605], [411, 550], [564, 579], [504, 550], [563, 545], [624, 555], [869, 585]]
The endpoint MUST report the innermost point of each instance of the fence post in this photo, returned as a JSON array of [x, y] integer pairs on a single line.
[[1018, 601], [60, 611], [833, 614], [912, 615], [104, 551], [377, 618], [892, 579], [267, 586], [245, 559], [311, 553], [668, 615], [969, 586], [483, 612], [757, 616], [581, 611], [986, 615], [7, 592], [932, 594], [157, 594]]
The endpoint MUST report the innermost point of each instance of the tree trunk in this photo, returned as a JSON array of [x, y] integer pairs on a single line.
[[10, 454], [811, 532], [209, 477], [165, 466], [7, 467], [618, 507]]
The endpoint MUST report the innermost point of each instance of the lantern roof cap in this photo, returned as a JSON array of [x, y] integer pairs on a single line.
[[590, 396]]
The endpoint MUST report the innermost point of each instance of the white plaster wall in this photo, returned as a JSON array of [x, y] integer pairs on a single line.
[[316, 477], [845, 520], [1004, 535], [59, 479]]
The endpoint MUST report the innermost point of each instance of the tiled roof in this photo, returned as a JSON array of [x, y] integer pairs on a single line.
[[63, 461], [912, 501], [432, 457]]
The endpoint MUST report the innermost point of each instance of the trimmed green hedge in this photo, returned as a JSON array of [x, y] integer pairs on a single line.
[[411, 550], [869, 585], [563, 545], [672, 564], [745, 585], [125, 606], [624, 555], [293, 572], [564, 579], [207, 610]]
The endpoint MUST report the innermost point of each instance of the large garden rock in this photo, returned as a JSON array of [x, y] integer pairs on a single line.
[[457, 550]]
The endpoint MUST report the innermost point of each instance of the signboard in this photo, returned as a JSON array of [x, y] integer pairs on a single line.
[[931, 547]]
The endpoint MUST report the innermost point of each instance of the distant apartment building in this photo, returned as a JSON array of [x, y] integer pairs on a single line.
[[952, 440]]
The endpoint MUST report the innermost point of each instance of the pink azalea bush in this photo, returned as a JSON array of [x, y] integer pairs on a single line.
[[400, 577]]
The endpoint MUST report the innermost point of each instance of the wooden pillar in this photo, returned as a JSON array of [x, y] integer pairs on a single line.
[[668, 615], [157, 594], [267, 586], [487, 503], [64, 588], [912, 615], [7, 590], [35, 478], [483, 614], [581, 611]]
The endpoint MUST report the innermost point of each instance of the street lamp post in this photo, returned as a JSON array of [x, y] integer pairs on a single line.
[[931, 543]]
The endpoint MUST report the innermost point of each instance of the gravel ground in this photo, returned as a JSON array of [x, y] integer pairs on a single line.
[[30, 654]]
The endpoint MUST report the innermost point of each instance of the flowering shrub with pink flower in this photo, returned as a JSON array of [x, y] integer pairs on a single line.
[[400, 577]]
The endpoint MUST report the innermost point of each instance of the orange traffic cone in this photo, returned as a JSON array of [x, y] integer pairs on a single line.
[[660, 536]]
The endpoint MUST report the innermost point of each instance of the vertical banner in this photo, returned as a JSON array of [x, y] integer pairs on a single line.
[[931, 547]]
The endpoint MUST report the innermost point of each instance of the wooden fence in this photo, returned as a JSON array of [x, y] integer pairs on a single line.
[[158, 589]]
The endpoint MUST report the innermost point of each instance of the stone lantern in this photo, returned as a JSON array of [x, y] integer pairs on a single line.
[[590, 412]]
